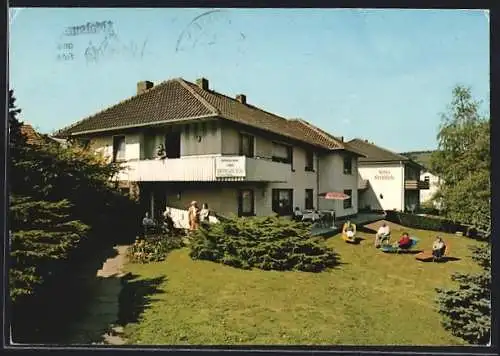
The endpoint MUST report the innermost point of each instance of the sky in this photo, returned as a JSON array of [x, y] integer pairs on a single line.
[[380, 75]]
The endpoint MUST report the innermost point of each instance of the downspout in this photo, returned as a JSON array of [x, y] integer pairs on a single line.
[[402, 187], [317, 181]]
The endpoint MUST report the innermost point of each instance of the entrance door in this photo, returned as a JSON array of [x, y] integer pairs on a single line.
[[246, 205]]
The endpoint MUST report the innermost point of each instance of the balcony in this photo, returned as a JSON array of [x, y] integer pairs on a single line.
[[416, 184], [207, 168], [362, 184]]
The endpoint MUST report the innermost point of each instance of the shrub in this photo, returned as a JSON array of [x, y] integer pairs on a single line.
[[268, 243], [424, 222], [467, 310], [154, 248]]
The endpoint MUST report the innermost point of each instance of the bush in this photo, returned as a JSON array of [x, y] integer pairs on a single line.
[[466, 310], [268, 243], [424, 222], [154, 248]]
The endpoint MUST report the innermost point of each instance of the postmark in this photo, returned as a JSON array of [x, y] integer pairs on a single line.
[[208, 29], [104, 43]]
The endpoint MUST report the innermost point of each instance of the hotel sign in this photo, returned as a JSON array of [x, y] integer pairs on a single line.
[[228, 167], [384, 174]]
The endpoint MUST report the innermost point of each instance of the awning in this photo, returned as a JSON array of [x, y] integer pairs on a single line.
[[334, 196]]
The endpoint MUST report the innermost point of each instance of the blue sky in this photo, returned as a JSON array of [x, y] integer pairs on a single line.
[[381, 75]]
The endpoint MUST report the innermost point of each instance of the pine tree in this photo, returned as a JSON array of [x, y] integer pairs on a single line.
[[463, 163]]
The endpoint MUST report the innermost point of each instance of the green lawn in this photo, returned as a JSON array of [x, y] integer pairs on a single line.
[[371, 298]]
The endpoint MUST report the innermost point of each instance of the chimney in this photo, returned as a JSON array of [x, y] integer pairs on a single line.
[[342, 138], [202, 83], [144, 86], [242, 98]]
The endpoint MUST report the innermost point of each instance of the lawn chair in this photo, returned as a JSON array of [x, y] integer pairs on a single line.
[[351, 240], [397, 249], [384, 240], [427, 256]]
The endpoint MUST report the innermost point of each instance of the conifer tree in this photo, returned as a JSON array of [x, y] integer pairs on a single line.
[[463, 163]]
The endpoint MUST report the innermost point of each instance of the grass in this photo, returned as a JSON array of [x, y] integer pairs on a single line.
[[371, 299]]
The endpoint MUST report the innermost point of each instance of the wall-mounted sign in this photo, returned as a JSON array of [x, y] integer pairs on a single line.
[[226, 167], [384, 174]]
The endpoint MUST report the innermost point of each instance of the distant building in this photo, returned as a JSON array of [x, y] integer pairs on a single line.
[[388, 180], [423, 157]]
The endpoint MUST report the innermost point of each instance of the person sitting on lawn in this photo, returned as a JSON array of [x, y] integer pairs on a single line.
[[297, 214], [383, 234], [438, 248], [405, 241], [349, 231]]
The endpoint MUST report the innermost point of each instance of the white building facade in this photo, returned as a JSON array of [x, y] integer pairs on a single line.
[[221, 151]]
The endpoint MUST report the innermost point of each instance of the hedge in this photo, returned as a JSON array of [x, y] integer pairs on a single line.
[[425, 222]]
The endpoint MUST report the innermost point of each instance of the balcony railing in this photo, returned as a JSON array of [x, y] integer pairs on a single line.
[[362, 184], [208, 168], [416, 184]]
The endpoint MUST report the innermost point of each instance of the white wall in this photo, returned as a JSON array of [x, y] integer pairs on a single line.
[[333, 179], [386, 179]]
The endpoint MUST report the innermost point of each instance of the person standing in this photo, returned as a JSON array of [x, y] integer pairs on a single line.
[[204, 214], [194, 216]]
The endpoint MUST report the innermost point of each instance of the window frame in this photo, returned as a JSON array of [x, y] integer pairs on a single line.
[[116, 148], [347, 169], [251, 139], [275, 193], [309, 167], [348, 202], [242, 213], [311, 192]]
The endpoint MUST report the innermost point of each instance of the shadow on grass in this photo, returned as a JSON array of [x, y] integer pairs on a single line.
[[47, 317], [136, 296], [366, 230]]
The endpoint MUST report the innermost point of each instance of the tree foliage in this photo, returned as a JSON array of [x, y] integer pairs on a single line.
[[63, 206], [463, 162], [268, 243]]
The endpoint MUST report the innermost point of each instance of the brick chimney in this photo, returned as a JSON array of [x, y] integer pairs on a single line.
[[144, 86], [202, 83], [242, 98]]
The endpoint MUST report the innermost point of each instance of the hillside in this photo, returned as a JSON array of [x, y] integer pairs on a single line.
[[421, 157]]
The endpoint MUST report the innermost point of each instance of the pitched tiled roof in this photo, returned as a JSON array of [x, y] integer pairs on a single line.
[[375, 153], [314, 133], [178, 99], [167, 101]]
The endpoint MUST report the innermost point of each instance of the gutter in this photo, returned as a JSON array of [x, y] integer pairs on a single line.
[[145, 124]]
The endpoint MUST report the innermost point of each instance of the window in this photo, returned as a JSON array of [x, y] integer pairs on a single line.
[[426, 179], [348, 202], [246, 145], [173, 145], [282, 203], [246, 202], [347, 165], [282, 153], [119, 148], [309, 204], [309, 161]]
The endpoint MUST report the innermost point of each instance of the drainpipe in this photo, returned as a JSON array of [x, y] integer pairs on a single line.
[[317, 181], [402, 187]]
